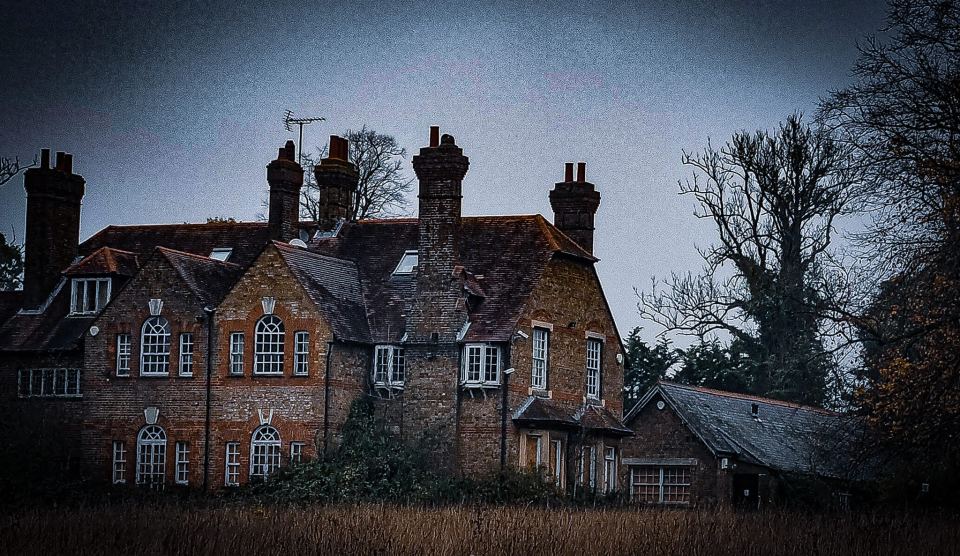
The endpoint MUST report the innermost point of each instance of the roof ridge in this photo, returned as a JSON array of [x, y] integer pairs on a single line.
[[167, 250], [293, 249], [751, 397]]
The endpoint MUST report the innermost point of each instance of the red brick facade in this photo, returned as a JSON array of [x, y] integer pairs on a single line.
[[481, 288]]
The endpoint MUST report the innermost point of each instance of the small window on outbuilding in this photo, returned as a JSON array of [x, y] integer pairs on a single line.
[[221, 253], [408, 263]]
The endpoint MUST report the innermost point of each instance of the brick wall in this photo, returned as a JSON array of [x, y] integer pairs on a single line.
[[113, 406], [659, 433]]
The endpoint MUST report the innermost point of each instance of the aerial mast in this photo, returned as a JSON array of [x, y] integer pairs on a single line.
[[289, 121]]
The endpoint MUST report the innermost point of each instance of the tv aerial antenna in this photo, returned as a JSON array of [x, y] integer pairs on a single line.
[[289, 121]]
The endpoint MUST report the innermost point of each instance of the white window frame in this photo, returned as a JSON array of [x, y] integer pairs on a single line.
[[265, 450], [186, 354], [124, 353], [56, 382], [541, 357], [221, 253], [591, 473], [594, 366], [662, 484], [119, 462], [269, 337], [476, 370], [301, 353], [609, 469], [151, 455], [231, 474], [389, 366], [182, 468], [236, 353], [296, 453], [557, 454], [155, 354], [407, 269], [83, 286]]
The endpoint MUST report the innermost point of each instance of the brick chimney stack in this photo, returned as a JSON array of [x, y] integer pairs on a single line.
[[285, 178], [575, 203], [438, 311], [337, 182], [53, 225], [440, 169]]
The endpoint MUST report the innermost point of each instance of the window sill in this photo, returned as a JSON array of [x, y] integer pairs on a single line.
[[127, 375], [267, 375], [481, 385], [299, 375], [154, 375]]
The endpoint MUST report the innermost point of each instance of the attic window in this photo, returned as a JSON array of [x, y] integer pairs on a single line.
[[408, 263], [221, 253], [89, 295]]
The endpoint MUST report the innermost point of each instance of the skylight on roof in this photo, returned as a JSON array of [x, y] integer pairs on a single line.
[[408, 263], [221, 253]]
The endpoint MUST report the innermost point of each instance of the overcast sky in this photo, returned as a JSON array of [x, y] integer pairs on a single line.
[[172, 110]]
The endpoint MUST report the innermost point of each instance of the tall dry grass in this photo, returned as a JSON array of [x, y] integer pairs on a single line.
[[166, 528]]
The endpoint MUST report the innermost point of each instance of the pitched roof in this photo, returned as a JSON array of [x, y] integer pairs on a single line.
[[209, 279], [782, 436], [245, 238], [51, 330], [538, 412], [105, 260], [334, 286], [503, 258]]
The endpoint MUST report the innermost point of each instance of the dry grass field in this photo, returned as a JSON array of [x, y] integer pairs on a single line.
[[166, 528]]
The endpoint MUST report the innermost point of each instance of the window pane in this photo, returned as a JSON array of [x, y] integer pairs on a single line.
[[236, 353], [269, 345], [399, 366], [492, 366], [102, 294], [155, 346], [539, 372]]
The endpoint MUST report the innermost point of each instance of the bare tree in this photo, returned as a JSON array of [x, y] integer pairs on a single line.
[[10, 167], [382, 186], [773, 200], [902, 119]]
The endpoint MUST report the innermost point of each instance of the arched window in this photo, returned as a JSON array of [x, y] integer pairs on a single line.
[[151, 455], [269, 346], [155, 346], [264, 452]]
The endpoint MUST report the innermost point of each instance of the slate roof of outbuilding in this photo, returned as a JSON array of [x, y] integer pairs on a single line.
[[503, 257], [334, 286], [783, 436]]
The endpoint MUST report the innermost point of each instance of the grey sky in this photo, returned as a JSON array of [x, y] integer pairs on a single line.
[[172, 110]]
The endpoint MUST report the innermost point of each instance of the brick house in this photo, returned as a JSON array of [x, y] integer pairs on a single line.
[[700, 446], [208, 354]]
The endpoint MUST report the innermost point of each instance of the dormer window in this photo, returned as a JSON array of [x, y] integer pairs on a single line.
[[408, 263], [88, 295], [221, 253]]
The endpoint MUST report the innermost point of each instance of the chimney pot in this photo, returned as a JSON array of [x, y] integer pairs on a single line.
[[581, 171], [291, 151], [568, 172], [68, 164], [434, 136], [45, 158], [59, 166]]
